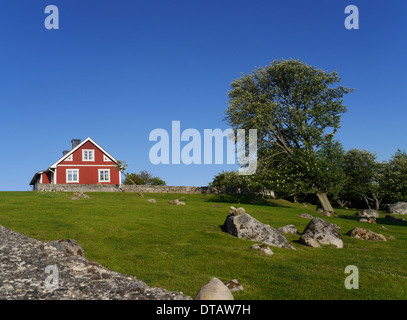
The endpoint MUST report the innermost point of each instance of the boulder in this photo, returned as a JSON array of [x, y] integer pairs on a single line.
[[363, 220], [306, 216], [152, 200], [326, 213], [244, 226], [177, 202], [214, 290], [289, 229], [79, 195], [322, 232], [397, 208], [236, 211], [234, 285], [366, 234], [263, 248], [69, 246], [368, 213], [309, 241]]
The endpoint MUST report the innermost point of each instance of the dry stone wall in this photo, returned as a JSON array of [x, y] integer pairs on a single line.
[[146, 189]]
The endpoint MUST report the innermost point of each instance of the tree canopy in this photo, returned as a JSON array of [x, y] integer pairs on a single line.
[[296, 110]]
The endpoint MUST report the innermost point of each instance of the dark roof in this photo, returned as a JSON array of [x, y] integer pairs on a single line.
[[36, 176]]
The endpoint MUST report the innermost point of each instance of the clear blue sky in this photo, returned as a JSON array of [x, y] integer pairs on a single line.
[[118, 69]]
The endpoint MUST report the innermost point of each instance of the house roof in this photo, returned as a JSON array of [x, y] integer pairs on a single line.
[[53, 166], [36, 176]]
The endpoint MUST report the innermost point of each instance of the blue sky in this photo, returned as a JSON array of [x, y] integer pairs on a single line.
[[116, 70]]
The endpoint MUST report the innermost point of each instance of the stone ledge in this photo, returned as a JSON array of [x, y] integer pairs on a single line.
[[22, 275]]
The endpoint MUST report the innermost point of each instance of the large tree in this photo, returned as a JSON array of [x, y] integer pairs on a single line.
[[296, 110]]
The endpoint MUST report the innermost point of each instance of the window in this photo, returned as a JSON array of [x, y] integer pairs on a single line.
[[88, 155], [72, 175], [69, 158], [104, 175], [105, 158]]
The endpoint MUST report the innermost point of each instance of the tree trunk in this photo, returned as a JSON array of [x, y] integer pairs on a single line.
[[326, 205]]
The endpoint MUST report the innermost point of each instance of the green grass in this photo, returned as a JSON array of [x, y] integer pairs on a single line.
[[181, 247]]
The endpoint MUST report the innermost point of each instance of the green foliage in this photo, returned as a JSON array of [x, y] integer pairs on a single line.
[[143, 178], [362, 178], [394, 178], [296, 110]]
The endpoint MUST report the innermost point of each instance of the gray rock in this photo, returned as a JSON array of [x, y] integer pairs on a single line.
[[397, 208], [306, 216], [236, 211], [321, 231], [177, 202], [263, 248], [79, 195], [234, 285], [309, 241], [246, 227], [366, 234], [368, 213], [23, 261], [68, 246], [152, 200], [214, 290], [363, 220], [289, 229]]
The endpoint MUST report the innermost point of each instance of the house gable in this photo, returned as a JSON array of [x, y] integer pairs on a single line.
[[88, 143]]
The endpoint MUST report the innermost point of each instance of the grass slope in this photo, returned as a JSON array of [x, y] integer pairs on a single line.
[[181, 247]]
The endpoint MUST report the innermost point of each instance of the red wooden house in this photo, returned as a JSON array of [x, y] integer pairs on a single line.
[[85, 163]]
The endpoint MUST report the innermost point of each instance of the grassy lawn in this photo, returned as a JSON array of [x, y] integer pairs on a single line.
[[181, 247]]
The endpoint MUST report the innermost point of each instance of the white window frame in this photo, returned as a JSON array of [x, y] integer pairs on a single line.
[[92, 151], [106, 159], [99, 170], [77, 174], [70, 158]]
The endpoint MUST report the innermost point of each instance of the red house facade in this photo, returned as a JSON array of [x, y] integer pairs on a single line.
[[85, 163]]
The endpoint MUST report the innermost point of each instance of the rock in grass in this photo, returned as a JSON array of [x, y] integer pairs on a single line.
[[214, 290], [236, 211], [152, 200], [289, 229], [368, 213], [321, 232], [366, 234], [263, 248], [79, 195], [177, 202], [234, 285], [69, 246], [246, 227], [306, 216], [397, 208]]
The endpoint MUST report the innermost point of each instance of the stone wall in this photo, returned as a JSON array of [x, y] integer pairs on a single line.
[[146, 189]]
